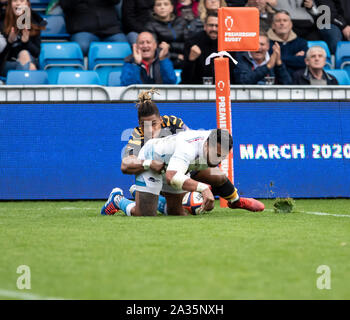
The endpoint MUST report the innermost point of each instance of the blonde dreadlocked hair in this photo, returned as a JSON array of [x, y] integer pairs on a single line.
[[145, 106]]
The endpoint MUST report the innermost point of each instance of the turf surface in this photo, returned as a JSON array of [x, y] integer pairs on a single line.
[[74, 253]]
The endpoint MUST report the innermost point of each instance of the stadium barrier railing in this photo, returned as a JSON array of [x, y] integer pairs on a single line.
[[53, 93], [86, 93]]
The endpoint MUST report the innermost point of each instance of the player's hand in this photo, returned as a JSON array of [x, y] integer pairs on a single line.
[[195, 52], [157, 166], [136, 53], [164, 50], [208, 200]]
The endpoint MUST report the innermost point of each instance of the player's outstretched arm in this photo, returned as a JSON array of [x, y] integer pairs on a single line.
[[132, 165]]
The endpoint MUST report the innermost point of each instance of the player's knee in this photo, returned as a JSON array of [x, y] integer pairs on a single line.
[[220, 180]]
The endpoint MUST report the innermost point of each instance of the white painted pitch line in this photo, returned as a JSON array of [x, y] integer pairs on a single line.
[[24, 295], [319, 213], [326, 214], [63, 208], [77, 208], [269, 210]]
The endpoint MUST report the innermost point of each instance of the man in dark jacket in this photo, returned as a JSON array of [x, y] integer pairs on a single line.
[[197, 49], [92, 20], [293, 48], [136, 14], [314, 73], [147, 64], [339, 28], [259, 67]]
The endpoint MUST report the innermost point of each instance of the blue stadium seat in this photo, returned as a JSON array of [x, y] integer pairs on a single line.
[[105, 57], [324, 45], [39, 4], [56, 27], [342, 56], [178, 75], [78, 78], [341, 75], [17, 77], [114, 78], [54, 57]]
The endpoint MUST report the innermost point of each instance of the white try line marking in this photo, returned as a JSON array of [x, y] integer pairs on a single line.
[[24, 295], [326, 214], [97, 210], [32, 209], [318, 213]]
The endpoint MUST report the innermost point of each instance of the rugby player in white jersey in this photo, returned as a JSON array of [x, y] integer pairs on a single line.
[[132, 164], [181, 153]]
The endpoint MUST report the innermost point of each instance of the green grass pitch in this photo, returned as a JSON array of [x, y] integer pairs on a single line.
[[75, 253]]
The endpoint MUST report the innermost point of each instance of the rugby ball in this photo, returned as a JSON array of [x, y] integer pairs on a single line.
[[192, 202]]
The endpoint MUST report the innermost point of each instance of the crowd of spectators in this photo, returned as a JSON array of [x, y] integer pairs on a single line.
[[179, 34]]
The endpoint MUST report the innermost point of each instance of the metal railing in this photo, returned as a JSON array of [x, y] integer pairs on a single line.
[[53, 93], [94, 93]]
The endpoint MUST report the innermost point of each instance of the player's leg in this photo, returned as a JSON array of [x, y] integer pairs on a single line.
[[146, 204], [110, 207], [174, 204], [224, 188], [221, 185], [148, 186], [162, 206], [116, 201]]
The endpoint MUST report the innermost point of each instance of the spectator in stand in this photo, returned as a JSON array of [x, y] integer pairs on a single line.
[[147, 64], [3, 43], [187, 9], [169, 30], [266, 13], [92, 20], [22, 29], [340, 23], [204, 6], [293, 48], [259, 67], [197, 49], [302, 13], [136, 13], [209, 5], [3, 5], [314, 73], [242, 3], [236, 3]]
